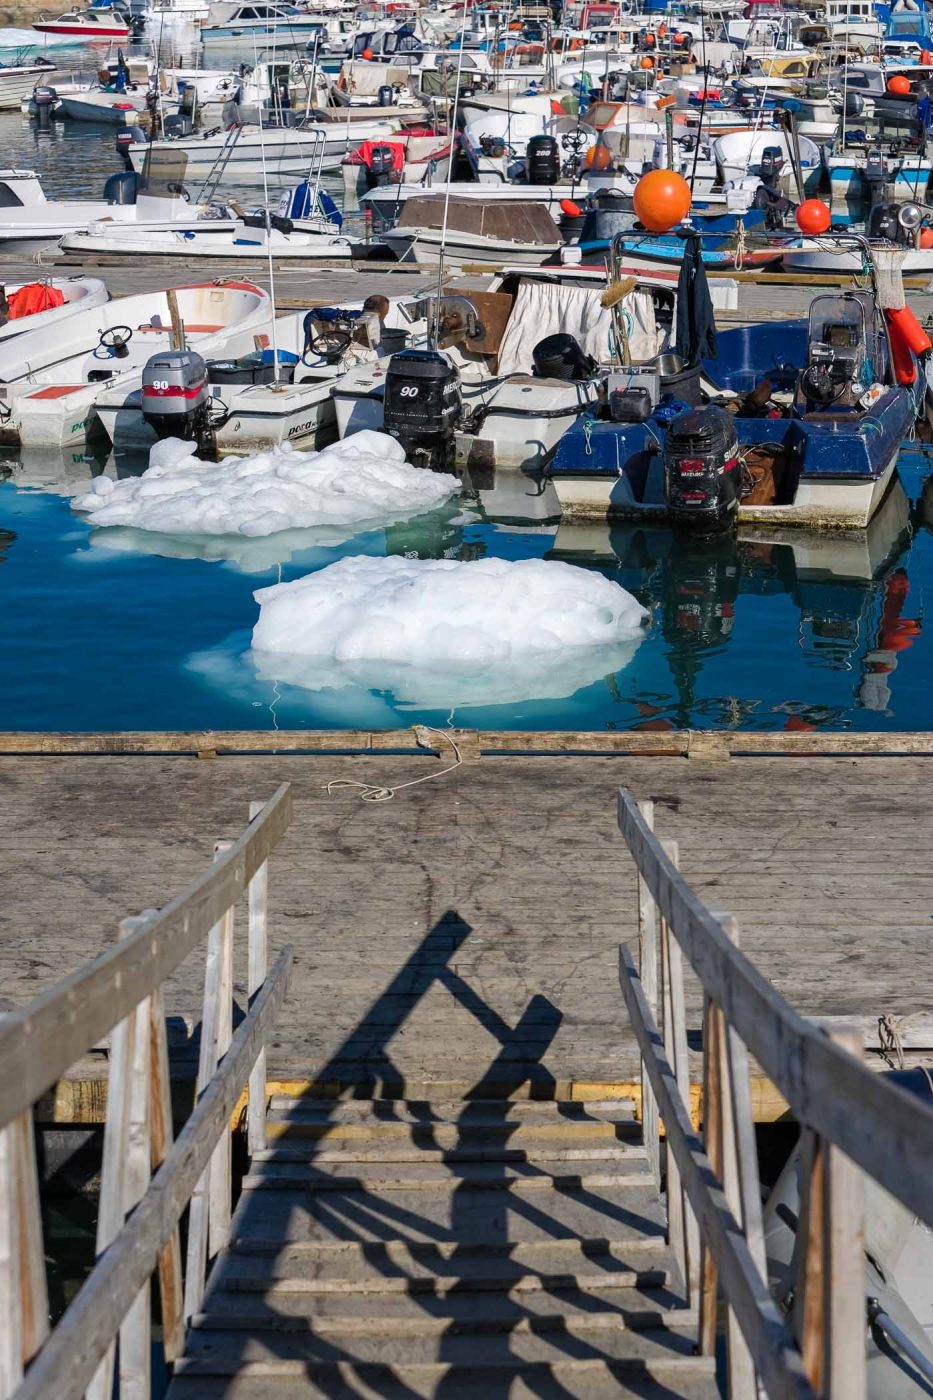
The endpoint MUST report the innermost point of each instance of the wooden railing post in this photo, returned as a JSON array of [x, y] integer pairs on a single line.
[[683, 1231], [829, 1306], [729, 1139], [204, 1230], [170, 1278], [258, 960], [11, 1360], [136, 1330], [648, 968]]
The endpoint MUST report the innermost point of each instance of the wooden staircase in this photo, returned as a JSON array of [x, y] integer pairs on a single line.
[[481, 1248]]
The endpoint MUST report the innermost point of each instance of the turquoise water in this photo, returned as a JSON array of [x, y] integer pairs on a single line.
[[112, 630]]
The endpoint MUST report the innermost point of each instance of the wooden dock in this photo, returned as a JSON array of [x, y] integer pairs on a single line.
[[473, 921]]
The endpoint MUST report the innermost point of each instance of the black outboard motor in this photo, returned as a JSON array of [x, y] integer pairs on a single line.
[[701, 470], [44, 99], [895, 222], [386, 96], [175, 396], [770, 165], [123, 187], [381, 168], [560, 357], [422, 405], [176, 124], [542, 161]]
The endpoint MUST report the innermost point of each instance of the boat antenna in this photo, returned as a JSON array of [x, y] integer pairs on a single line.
[[268, 223], [451, 133]]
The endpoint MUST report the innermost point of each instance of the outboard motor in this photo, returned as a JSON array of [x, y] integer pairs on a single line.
[[45, 98], [898, 223], [560, 357], [542, 161], [770, 165], [123, 187], [175, 395], [701, 470], [386, 96], [381, 168], [176, 124], [422, 406]]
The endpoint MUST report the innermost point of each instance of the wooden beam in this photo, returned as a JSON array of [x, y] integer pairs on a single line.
[[68, 1360], [648, 966], [257, 962], [772, 1347], [887, 1131], [40, 1041]]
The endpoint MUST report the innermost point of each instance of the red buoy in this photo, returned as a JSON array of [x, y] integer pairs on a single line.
[[899, 85], [661, 200], [904, 323], [813, 216]]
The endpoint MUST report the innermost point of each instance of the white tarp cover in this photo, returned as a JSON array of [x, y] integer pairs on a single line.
[[545, 308]]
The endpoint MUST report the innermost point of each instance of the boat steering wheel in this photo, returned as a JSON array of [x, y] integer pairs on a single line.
[[114, 340], [329, 345]]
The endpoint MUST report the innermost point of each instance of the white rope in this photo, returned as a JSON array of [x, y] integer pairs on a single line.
[[372, 792]]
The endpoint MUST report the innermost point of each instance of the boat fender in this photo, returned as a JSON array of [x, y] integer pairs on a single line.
[[903, 362], [910, 329]]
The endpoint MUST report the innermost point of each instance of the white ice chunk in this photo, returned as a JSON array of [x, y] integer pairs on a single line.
[[359, 482], [441, 632]]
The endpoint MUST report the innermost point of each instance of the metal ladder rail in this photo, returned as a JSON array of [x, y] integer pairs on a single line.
[[221, 161]]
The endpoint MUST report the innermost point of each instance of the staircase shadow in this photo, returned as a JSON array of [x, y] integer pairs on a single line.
[[365, 1217]]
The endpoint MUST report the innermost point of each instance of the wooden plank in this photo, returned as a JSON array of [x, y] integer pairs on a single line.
[[257, 962], [135, 1355], [11, 1313], [690, 1249], [34, 1299], [648, 965], [69, 1359], [887, 1131], [171, 1287], [40, 1041], [220, 1188], [763, 1327]]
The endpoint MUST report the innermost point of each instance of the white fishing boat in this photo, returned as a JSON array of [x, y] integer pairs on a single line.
[[49, 384], [239, 242], [97, 25], [244, 25], [475, 232], [43, 305], [814, 255], [18, 79]]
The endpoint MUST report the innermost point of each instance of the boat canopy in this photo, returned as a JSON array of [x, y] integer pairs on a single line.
[[508, 221]]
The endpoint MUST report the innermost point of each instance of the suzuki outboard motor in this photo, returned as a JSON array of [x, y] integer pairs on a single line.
[[175, 394], [560, 357], [542, 161], [422, 405], [701, 470]]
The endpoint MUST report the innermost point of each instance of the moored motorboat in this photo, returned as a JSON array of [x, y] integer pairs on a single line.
[[470, 231], [94, 24], [43, 305]]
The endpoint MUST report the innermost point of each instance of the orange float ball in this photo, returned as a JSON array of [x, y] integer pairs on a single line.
[[813, 216], [899, 85], [925, 237], [368, 55], [570, 208], [598, 158], [661, 200], [647, 62]]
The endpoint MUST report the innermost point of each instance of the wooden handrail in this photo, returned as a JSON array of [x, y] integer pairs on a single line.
[[882, 1128], [67, 1363], [40, 1041]]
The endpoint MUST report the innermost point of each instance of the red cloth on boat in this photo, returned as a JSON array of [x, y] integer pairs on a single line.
[[35, 296]]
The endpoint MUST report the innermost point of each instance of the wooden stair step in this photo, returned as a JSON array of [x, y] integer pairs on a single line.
[[401, 1267], [570, 1149], [461, 1111], [520, 1177], [222, 1350], [432, 1214], [297, 1127], [496, 1311], [596, 1379]]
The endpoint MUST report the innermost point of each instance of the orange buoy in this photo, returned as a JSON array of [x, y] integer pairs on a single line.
[[649, 40], [572, 210], [813, 216], [598, 158], [926, 58], [904, 325], [661, 200], [925, 237], [899, 85], [678, 38], [647, 62], [368, 55]]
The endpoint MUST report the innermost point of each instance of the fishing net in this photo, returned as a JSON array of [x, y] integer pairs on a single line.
[[889, 284]]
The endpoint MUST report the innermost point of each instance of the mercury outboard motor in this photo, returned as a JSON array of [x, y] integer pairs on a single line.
[[701, 470], [771, 164], [175, 396], [560, 357], [381, 168], [542, 161], [422, 405]]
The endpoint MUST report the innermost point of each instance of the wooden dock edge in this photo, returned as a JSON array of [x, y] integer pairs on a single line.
[[704, 744]]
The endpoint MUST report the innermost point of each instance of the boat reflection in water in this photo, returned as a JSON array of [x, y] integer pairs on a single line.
[[851, 591]]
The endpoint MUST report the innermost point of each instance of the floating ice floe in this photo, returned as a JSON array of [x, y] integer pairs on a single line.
[[438, 632], [357, 483]]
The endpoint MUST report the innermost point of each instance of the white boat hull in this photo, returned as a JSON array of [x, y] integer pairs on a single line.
[[424, 246], [82, 294]]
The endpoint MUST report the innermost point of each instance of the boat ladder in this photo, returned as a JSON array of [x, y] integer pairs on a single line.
[[216, 172]]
